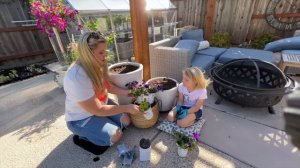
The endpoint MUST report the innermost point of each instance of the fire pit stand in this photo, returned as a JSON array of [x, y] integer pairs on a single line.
[[251, 82]]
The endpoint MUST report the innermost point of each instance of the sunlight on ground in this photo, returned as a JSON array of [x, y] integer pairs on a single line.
[[156, 151], [278, 139], [218, 161]]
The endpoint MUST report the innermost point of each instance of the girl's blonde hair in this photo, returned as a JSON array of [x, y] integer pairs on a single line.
[[197, 76], [95, 71]]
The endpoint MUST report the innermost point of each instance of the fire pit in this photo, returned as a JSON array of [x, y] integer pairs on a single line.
[[251, 82]]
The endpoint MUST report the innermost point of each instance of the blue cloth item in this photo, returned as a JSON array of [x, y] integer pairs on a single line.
[[190, 45], [292, 43], [204, 62], [193, 35], [198, 113], [178, 107], [126, 155], [181, 114], [212, 51], [238, 53]]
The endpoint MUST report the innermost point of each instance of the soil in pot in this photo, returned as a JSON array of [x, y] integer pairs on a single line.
[[166, 83], [122, 69]]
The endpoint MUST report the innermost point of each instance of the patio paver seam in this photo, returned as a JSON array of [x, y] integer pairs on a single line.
[[245, 118]]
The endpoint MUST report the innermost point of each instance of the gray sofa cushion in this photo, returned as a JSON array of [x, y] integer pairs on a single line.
[[212, 51], [193, 35], [191, 45], [292, 43], [237, 53], [204, 62]]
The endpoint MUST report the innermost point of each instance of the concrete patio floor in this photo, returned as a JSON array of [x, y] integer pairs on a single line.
[[33, 133]]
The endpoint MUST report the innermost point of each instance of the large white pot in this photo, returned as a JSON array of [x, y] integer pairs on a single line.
[[122, 79], [167, 97]]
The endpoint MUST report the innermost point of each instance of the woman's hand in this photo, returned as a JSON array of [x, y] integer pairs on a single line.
[[133, 109]]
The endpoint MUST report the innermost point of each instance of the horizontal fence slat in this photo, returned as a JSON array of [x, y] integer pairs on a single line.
[[29, 54], [18, 29]]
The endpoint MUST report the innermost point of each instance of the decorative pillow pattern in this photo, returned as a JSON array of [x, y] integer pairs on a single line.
[[170, 127]]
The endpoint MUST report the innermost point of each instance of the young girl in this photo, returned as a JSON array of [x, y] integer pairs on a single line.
[[192, 94]]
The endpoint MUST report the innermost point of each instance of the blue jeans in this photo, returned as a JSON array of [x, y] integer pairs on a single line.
[[98, 130], [198, 113]]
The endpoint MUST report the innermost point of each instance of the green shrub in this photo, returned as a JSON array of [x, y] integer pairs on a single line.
[[92, 25], [13, 74], [262, 40], [220, 39], [4, 79]]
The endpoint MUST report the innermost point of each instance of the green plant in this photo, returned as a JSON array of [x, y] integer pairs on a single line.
[[71, 53], [144, 105], [110, 39], [4, 79], [220, 39], [13, 74], [38, 70], [92, 25], [185, 142], [262, 40]]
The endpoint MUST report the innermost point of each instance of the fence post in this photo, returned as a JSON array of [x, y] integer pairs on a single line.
[[209, 19]]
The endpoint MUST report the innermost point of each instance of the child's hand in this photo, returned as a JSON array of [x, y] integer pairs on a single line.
[[182, 114], [178, 108]]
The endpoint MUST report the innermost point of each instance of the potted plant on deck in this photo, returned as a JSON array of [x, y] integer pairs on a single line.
[[145, 107], [149, 117], [137, 90], [124, 73], [168, 93], [184, 144]]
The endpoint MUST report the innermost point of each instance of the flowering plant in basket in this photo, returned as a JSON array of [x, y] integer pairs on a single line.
[[53, 14]]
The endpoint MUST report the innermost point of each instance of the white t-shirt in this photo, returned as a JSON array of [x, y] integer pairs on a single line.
[[191, 98], [78, 87]]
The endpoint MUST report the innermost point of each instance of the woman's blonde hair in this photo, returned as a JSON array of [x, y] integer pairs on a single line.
[[95, 71], [197, 76]]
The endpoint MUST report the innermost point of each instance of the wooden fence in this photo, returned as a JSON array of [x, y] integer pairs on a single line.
[[243, 19], [20, 45]]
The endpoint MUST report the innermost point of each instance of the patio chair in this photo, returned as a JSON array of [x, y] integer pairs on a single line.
[[170, 56]]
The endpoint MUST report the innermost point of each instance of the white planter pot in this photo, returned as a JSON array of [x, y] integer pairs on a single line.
[[148, 114], [140, 99], [182, 152], [122, 79], [150, 98], [167, 97]]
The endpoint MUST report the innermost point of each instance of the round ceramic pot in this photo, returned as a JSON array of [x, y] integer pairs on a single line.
[[121, 80], [140, 99], [166, 97], [150, 98]]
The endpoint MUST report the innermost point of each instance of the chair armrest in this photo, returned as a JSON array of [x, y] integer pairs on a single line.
[[169, 62], [169, 42]]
